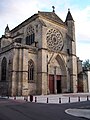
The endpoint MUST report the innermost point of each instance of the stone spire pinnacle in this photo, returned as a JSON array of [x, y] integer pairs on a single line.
[[7, 28], [7, 31], [69, 16]]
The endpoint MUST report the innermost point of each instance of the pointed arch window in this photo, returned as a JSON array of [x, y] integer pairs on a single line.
[[3, 69], [30, 38], [30, 70]]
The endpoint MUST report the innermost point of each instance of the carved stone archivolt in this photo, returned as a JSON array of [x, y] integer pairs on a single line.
[[54, 40]]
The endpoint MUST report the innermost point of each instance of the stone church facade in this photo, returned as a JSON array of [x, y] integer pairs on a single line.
[[39, 56]]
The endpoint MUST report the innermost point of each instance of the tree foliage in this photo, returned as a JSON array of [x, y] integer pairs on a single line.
[[86, 64]]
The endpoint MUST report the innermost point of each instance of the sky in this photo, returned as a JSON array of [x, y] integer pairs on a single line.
[[14, 12]]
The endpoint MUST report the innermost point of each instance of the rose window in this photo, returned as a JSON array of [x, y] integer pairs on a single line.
[[54, 40]]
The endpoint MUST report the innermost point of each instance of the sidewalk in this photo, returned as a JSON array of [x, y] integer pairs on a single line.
[[55, 98], [79, 112], [62, 98]]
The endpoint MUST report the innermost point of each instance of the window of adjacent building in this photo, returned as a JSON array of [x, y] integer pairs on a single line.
[[30, 38], [3, 69], [30, 70]]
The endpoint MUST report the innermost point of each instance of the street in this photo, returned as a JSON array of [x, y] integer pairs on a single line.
[[22, 110]]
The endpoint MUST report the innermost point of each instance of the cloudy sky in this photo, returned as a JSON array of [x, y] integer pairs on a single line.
[[13, 12]]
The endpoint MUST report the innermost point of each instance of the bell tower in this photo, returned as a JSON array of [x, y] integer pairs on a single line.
[[72, 50], [70, 24]]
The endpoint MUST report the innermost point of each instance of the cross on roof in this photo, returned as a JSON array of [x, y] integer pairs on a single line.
[[53, 8], [68, 9]]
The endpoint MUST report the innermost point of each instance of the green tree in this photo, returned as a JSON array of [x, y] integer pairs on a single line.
[[86, 64]]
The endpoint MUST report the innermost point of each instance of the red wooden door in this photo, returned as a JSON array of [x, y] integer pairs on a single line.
[[51, 83]]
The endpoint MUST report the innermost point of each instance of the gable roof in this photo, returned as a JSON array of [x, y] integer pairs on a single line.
[[49, 15]]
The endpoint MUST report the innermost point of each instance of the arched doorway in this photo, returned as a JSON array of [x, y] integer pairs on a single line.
[[3, 69], [57, 76], [4, 82]]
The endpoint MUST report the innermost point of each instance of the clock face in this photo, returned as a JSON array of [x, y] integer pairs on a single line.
[[54, 40]]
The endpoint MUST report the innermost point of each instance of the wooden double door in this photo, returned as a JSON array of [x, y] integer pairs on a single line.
[[53, 82]]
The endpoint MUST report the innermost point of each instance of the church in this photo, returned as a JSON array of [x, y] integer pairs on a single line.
[[39, 56]]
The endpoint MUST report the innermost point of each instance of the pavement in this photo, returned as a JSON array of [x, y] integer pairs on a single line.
[[14, 110], [83, 111], [70, 98]]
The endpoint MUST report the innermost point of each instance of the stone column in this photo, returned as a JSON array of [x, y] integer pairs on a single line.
[[25, 73], [68, 80], [74, 73], [39, 73], [20, 70], [64, 83], [74, 83], [14, 73], [42, 72]]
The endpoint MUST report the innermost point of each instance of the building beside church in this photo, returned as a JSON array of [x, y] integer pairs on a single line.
[[39, 56]]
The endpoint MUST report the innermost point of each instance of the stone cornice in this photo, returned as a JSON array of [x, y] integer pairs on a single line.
[[42, 49], [17, 46]]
